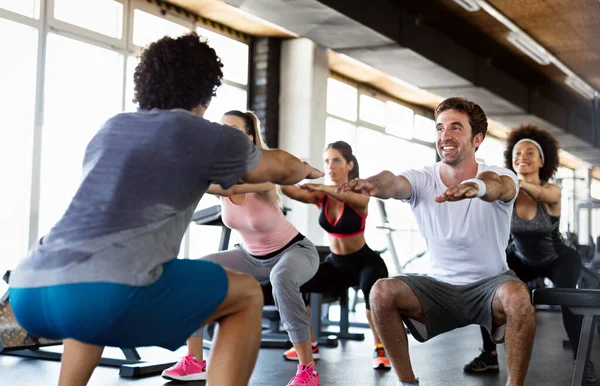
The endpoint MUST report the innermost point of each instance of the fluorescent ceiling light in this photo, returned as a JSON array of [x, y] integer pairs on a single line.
[[469, 5], [535, 51], [529, 47], [580, 86]]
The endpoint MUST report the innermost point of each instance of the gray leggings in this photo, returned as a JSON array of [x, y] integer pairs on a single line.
[[286, 271]]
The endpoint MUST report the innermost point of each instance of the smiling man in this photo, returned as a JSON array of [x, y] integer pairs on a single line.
[[463, 209]]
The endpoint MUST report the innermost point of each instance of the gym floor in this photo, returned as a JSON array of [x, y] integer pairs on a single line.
[[438, 362]]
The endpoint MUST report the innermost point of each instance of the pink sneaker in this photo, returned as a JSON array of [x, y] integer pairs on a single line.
[[187, 369], [305, 376]]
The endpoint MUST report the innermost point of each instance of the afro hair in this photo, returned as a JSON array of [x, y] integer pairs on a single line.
[[548, 143], [181, 72]]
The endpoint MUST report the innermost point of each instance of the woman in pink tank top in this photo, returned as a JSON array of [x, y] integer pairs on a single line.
[[272, 250]]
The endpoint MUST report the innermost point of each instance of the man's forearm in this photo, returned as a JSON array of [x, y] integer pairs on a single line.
[[291, 170], [387, 185], [496, 188]]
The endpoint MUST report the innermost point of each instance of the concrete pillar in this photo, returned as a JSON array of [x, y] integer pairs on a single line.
[[302, 115]]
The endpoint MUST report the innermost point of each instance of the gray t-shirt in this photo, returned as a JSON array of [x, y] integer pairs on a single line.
[[143, 175]]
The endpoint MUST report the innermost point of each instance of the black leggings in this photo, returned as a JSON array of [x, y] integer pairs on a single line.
[[564, 273], [338, 273]]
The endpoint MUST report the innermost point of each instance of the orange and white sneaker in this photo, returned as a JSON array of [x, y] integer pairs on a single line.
[[380, 360], [292, 355]]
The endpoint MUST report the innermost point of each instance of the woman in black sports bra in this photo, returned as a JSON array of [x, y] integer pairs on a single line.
[[343, 215], [537, 249]]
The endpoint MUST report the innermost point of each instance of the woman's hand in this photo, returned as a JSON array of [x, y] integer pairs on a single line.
[[311, 187]]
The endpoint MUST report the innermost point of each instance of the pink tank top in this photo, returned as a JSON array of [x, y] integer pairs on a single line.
[[262, 225]]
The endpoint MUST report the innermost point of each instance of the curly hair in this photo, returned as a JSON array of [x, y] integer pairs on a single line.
[[477, 117], [548, 143], [181, 72]]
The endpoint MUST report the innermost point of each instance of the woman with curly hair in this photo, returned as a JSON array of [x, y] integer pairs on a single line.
[[537, 249], [107, 274]]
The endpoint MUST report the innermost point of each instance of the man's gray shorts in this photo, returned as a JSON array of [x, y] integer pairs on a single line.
[[450, 306]]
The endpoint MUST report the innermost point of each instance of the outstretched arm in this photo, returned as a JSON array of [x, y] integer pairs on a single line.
[[549, 193], [492, 187], [358, 201], [297, 193], [383, 185], [217, 190], [282, 168]]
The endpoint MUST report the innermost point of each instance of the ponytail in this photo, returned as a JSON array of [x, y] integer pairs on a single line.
[[252, 124], [346, 150]]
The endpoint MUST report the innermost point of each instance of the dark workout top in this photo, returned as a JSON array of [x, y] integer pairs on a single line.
[[535, 241], [349, 223]]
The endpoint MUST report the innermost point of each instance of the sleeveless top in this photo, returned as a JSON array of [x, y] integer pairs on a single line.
[[348, 224], [535, 241], [262, 225]]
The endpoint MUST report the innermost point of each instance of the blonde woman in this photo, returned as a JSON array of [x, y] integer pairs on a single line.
[[271, 249]]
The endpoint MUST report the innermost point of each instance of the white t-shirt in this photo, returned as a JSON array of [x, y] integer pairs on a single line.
[[466, 239]]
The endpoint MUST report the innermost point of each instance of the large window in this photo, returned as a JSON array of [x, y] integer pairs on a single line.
[[83, 89], [233, 53], [399, 120], [385, 135], [565, 178], [102, 16], [595, 195], [148, 28], [372, 110], [228, 98], [17, 98], [341, 100], [29, 8], [53, 105], [595, 189], [491, 151], [424, 129]]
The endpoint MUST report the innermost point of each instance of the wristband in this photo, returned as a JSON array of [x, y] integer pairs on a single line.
[[481, 189]]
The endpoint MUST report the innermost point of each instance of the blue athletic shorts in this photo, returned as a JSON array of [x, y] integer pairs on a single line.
[[163, 314]]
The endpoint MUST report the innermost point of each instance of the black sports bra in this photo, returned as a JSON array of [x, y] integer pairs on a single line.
[[349, 223]]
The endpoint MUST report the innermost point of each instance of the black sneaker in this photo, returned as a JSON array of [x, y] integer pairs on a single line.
[[484, 363]]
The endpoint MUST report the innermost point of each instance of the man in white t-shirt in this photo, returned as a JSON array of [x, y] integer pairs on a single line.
[[463, 210]]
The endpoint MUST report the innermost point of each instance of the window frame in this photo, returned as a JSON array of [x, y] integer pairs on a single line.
[[46, 23], [411, 228]]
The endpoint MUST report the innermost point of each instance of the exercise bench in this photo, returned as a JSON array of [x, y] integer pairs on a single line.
[[585, 302]]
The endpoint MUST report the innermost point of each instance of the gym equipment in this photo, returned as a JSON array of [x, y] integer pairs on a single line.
[[386, 226], [273, 330], [580, 302], [212, 216], [389, 230], [589, 279], [15, 341], [321, 301], [317, 301]]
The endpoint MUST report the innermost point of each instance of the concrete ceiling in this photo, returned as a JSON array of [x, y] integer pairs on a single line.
[[426, 44], [441, 48], [569, 29]]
